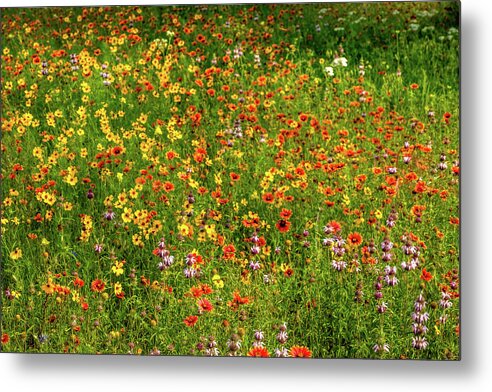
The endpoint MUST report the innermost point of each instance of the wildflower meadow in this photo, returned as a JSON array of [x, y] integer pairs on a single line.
[[259, 180]]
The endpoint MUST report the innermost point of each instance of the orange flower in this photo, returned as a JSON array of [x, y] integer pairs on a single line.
[[196, 292], [283, 225], [78, 282], [190, 321], [204, 305], [420, 187], [229, 251], [300, 352], [237, 300], [97, 285], [454, 221], [268, 198], [285, 214], [261, 352], [168, 186], [427, 276], [418, 210], [5, 338], [334, 227], [170, 155], [354, 239], [288, 272], [206, 289], [117, 150], [299, 171], [411, 176]]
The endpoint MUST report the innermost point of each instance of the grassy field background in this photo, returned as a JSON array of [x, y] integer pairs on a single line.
[[262, 180]]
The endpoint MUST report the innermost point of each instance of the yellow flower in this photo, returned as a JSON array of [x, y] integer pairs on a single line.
[[184, 230], [133, 193], [137, 240], [378, 214], [71, 180], [49, 287], [346, 200], [127, 215], [75, 296], [85, 87], [117, 268], [217, 281], [16, 254], [118, 288], [48, 198]]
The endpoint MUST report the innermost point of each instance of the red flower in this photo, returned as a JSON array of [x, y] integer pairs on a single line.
[[237, 300], [204, 305], [190, 321], [289, 272], [283, 225], [78, 282], [168, 186], [427, 276], [97, 285], [235, 176], [285, 214], [116, 150], [268, 198], [5, 338], [355, 238], [420, 187], [300, 352], [206, 289], [196, 292], [300, 171], [334, 227], [454, 221], [229, 252], [258, 352]]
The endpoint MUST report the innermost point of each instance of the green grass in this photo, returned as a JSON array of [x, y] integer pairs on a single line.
[[322, 145]]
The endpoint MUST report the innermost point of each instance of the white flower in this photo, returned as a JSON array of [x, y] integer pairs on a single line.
[[340, 61], [329, 71]]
